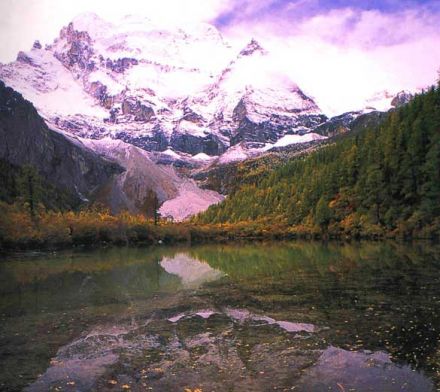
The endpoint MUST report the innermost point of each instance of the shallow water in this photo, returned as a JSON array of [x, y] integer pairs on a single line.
[[249, 317]]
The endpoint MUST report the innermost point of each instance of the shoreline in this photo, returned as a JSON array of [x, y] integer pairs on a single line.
[[189, 234]]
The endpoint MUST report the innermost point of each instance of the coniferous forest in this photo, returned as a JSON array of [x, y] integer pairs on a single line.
[[380, 180]]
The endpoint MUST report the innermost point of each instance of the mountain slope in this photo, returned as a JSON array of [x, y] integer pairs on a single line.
[[177, 196], [118, 175], [385, 178], [26, 140]]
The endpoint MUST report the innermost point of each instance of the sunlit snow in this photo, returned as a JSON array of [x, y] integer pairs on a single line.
[[294, 139]]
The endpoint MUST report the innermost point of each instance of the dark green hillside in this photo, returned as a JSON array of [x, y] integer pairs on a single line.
[[383, 179]]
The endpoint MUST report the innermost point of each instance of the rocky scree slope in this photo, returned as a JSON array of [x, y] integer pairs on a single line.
[[178, 196]]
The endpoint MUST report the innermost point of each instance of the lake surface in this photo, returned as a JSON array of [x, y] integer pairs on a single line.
[[300, 316]]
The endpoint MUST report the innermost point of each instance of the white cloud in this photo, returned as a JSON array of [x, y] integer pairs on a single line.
[[345, 56]]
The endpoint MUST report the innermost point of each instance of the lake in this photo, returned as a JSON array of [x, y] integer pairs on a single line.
[[302, 316]]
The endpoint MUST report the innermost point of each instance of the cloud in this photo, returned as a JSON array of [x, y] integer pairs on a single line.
[[345, 55], [372, 28]]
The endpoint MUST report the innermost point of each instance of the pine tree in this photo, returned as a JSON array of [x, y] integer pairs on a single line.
[[323, 214], [30, 188], [150, 206]]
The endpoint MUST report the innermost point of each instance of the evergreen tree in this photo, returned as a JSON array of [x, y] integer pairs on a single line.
[[151, 205], [30, 188], [323, 214]]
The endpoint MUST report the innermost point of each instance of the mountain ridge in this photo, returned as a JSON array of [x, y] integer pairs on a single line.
[[122, 79], [140, 90]]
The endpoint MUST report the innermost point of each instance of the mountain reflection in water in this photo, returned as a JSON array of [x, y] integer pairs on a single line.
[[191, 271], [283, 316]]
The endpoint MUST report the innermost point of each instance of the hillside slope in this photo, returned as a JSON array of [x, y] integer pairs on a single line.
[[384, 178], [72, 172], [145, 183]]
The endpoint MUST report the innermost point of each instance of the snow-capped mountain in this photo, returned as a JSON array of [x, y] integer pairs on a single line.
[[109, 172], [155, 100], [179, 89]]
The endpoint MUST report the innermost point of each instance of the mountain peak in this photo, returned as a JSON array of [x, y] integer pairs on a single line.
[[154, 86], [252, 47]]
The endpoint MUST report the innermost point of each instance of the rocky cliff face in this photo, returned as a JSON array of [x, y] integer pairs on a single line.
[[156, 88], [25, 139]]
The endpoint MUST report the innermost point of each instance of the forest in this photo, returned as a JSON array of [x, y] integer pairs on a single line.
[[384, 180]]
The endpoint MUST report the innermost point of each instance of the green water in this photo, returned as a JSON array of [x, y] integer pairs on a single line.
[[247, 317]]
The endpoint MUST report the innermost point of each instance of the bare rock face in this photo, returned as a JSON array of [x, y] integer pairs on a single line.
[[251, 48], [36, 45], [78, 49], [119, 65], [137, 110], [191, 116], [350, 122], [25, 139], [256, 126], [193, 144]]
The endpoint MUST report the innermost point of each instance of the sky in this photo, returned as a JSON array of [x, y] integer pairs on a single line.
[[340, 52]]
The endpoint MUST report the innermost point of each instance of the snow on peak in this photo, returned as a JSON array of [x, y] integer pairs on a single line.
[[95, 26], [381, 101], [171, 153], [234, 154], [178, 89], [201, 156], [295, 139]]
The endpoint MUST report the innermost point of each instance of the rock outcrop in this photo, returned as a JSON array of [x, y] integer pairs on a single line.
[[25, 139]]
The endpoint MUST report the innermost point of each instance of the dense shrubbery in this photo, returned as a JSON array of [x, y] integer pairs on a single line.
[[46, 229], [18, 228], [381, 181]]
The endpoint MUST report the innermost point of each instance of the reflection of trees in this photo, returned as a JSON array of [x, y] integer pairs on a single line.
[[72, 280], [379, 294]]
